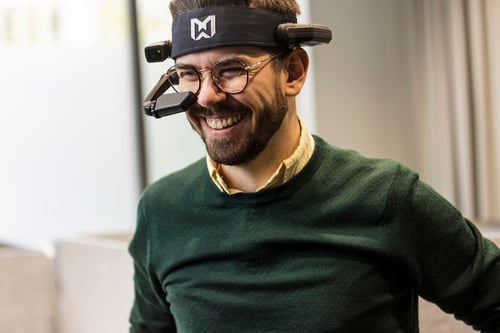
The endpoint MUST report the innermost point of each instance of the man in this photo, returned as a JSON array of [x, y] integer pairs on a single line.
[[277, 231]]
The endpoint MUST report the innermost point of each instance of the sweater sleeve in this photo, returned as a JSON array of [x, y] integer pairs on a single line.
[[150, 312], [453, 265]]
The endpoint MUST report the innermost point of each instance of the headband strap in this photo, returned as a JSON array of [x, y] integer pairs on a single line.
[[212, 27]]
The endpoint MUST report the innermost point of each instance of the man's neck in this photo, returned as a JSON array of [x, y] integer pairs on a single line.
[[251, 176]]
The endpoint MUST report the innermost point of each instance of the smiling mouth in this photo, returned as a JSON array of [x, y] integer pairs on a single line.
[[221, 123]]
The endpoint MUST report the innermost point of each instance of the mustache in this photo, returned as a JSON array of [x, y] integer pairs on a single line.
[[221, 109]]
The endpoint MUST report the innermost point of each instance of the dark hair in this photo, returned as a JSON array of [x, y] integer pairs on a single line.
[[289, 7]]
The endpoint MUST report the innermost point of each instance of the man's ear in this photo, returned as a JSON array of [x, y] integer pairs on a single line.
[[297, 65]]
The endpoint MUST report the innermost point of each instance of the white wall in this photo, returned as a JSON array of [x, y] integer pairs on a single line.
[[361, 78], [67, 138]]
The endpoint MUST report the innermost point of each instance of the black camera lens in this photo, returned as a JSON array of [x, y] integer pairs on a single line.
[[158, 52]]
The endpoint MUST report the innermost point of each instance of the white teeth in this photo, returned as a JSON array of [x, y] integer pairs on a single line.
[[223, 123]]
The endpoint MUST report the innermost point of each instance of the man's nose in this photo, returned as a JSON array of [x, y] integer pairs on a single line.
[[209, 93]]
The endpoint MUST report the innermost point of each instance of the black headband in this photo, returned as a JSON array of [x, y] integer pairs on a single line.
[[213, 27]]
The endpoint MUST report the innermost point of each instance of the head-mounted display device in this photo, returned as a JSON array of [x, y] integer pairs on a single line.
[[215, 27]]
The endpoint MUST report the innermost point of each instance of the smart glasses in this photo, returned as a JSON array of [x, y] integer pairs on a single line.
[[230, 76]]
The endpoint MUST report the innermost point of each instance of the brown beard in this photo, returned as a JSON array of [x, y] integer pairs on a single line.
[[237, 151]]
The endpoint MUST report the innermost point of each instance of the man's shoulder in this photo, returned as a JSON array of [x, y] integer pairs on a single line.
[[352, 164]]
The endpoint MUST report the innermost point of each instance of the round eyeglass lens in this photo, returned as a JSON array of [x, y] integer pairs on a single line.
[[184, 79], [230, 76]]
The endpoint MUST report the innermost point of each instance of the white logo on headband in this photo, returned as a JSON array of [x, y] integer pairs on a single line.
[[203, 29]]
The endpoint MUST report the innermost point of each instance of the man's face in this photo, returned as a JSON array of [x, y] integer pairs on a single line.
[[237, 127]]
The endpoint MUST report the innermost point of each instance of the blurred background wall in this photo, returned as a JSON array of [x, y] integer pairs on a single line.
[[67, 127]]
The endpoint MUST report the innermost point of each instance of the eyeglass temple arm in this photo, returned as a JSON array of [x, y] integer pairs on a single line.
[[159, 105]]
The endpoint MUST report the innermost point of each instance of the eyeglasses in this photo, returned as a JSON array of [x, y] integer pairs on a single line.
[[230, 76]]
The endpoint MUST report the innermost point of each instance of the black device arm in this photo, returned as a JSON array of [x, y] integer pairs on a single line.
[[160, 105]]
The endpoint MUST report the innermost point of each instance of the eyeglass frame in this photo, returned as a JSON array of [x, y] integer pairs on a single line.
[[199, 73]]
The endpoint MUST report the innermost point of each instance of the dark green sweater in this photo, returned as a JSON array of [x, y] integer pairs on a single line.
[[345, 246]]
